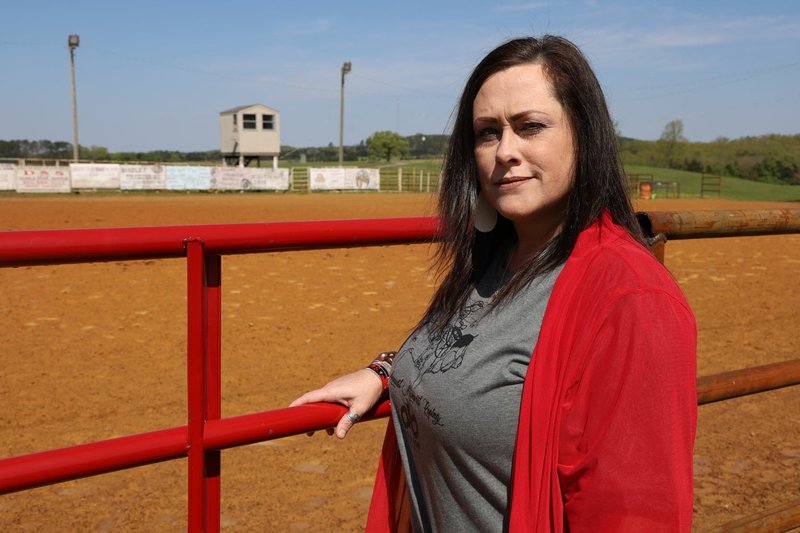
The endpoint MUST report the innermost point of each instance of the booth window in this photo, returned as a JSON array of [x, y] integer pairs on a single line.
[[249, 122], [268, 122]]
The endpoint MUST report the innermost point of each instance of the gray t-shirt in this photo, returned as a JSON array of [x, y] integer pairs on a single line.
[[455, 404]]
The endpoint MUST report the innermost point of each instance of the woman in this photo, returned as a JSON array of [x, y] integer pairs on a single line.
[[550, 386]]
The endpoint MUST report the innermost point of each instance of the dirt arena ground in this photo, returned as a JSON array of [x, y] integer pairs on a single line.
[[92, 352]]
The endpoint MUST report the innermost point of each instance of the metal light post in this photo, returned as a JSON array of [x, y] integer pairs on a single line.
[[345, 69], [73, 42]]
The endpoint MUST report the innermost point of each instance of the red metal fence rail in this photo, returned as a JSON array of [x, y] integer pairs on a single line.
[[206, 434]]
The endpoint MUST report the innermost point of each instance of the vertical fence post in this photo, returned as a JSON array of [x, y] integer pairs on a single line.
[[213, 385], [203, 383]]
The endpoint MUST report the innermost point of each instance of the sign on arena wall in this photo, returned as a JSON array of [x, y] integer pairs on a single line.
[[42, 179], [268, 179], [344, 178], [243, 179], [142, 178], [94, 176], [8, 177], [187, 178]]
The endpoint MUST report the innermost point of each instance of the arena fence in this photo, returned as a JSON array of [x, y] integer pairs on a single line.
[[57, 176], [206, 433]]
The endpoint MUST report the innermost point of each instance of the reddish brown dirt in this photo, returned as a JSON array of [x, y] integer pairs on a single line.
[[92, 352]]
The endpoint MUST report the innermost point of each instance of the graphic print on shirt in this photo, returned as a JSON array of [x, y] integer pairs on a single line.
[[445, 350]]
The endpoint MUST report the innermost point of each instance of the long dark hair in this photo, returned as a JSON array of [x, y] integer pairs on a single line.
[[599, 183]]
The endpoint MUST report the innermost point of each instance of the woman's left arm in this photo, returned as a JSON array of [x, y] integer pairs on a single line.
[[627, 436]]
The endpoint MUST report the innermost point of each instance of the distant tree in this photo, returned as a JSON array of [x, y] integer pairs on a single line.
[[672, 139], [353, 153], [673, 132], [386, 145], [35, 149], [693, 165], [96, 153], [209, 155], [62, 149], [427, 146], [617, 130], [9, 149], [778, 170]]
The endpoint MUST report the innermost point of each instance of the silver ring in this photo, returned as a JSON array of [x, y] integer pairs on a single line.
[[354, 417]]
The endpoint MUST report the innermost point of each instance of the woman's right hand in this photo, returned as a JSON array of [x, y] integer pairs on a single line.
[[359, 392]]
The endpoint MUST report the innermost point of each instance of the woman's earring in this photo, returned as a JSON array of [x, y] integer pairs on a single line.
[[485, 215]]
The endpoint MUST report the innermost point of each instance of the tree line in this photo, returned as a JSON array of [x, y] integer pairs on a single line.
[[382, 145], [767, 158], [44, 149]]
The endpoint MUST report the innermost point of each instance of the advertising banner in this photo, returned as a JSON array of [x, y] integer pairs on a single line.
[[43, 179], [8, 178], [268, 179], [363, 178], [342, 179], [94, 176], [325, 179], [142, 178], [185, 178], [244, 179]]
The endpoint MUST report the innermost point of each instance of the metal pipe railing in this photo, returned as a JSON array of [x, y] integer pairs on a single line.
[[54, 466], [705, 224], [101, 457], [40, 247], [44, 468], [737, 383], [18, 248], [206, 433], [783, 518]]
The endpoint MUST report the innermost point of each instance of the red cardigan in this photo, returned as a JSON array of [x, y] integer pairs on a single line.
[[609, 406]]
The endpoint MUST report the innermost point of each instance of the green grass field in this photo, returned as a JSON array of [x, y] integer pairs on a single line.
[[732, 188], [689, 182]]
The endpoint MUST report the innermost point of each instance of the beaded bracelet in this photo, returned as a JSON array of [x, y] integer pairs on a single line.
[[382, 366], [381, 373], [387, 357]]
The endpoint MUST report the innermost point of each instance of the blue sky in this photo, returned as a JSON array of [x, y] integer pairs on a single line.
[[155, 74]]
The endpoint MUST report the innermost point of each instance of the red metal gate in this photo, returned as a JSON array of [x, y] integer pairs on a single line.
[[206, 433]]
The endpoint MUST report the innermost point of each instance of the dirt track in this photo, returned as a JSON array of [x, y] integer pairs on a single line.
[[92, 352]]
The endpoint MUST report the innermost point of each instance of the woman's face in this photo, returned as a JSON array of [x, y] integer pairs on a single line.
[[524, 147]]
